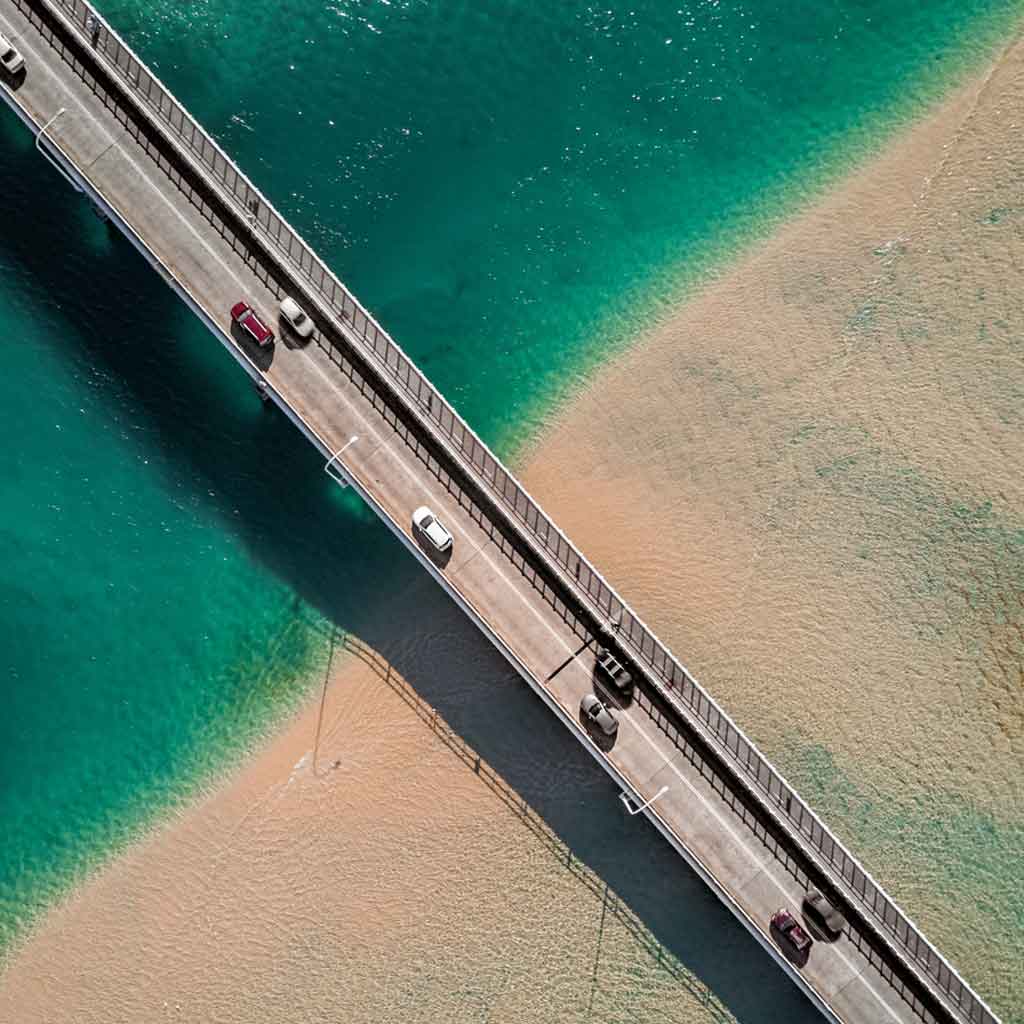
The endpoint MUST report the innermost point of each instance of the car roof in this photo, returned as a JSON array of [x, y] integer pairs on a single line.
[[608, 658], [822, 904], [425, 519], [256, 325], [438, 531]]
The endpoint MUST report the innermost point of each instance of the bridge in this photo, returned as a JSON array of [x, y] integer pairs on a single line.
[[115, 134]]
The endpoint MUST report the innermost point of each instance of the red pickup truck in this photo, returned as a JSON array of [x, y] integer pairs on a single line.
[[245, 316]]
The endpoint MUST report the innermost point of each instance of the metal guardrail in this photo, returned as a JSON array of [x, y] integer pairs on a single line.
[[672, 679]]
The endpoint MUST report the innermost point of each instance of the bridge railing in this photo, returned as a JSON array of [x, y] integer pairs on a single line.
[[675, 683]]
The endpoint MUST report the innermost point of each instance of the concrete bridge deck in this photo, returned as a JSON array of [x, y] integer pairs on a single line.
[[177, 219]]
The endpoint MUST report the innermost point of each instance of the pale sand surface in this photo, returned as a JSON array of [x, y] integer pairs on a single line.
[[809, 481], [382, 873]]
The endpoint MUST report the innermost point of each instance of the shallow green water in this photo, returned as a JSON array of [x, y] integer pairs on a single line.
[[499, 182], [511, 188]]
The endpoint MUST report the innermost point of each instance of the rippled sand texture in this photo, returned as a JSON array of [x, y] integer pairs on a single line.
[[809, 480], [372, 865]]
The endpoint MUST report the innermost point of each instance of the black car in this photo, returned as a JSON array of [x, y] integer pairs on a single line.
[[822, 916], [613, 674]]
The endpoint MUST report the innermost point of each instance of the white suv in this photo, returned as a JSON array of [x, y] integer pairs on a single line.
[[296, 319], [431, 529]]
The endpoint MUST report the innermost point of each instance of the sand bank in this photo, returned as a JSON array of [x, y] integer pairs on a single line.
[[809, 481], [371, 865]]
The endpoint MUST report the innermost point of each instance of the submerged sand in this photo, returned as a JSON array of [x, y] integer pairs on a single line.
[[808, 479], [370, 865], [811, 480]]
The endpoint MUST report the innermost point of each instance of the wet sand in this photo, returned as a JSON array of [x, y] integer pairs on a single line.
[[371, 865], [809, 480], [811, 476]]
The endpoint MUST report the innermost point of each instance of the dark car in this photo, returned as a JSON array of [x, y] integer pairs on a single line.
[[822, 916], [245, 316], [794, 942], [613, 674]]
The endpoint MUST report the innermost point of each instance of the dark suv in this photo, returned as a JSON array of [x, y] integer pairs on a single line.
[[822, 916], [613, 674]]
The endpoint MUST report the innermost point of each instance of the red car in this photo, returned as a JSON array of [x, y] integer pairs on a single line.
[[794, 942], [246, 318]]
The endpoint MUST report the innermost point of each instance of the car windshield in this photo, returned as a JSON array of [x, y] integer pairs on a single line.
[[300, 317], [9, 53], [427, 520]]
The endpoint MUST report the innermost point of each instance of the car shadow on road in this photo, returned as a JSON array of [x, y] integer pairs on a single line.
[[526, 758], [612, 699], [287, 337], [261, 356], [598, 737], [439, 558], [816, 931], [13, 82]]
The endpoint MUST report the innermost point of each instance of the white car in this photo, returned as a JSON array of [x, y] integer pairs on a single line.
[[426, 523], [595, 713], [11, 60], [292, 314]]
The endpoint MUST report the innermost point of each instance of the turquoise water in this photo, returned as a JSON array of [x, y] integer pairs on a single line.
[[148, 619], [501, 185]]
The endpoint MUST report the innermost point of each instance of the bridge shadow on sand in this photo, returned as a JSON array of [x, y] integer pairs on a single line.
[[271, 492]]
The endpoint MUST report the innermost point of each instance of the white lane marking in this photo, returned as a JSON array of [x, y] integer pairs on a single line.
[[766, 867], [417, 478]]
